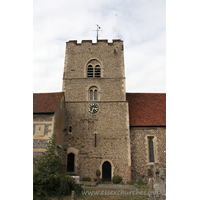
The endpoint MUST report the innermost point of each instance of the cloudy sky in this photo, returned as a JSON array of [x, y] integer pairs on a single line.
[[141, 25]]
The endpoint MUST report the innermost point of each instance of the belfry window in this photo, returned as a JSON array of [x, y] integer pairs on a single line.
[[93, 93], [97, 71], [93, 71], [90, 71]]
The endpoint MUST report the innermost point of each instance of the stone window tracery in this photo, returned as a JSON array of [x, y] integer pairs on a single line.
[[94, 69], [93, 93]]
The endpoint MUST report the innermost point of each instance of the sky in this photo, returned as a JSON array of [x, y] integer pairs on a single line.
[[141, 24]]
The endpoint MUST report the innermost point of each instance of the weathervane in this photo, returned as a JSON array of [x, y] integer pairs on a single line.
[[98, 27]]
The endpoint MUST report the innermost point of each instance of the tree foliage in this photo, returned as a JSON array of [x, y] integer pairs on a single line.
[[50, 177]]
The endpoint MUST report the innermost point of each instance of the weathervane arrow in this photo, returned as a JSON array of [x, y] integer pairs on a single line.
[[98, 27]]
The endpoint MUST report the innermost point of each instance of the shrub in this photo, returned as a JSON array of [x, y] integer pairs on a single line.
[[99, 181], [95, 179], [86, 179], [98, 172], [116, 179], [49, 177]]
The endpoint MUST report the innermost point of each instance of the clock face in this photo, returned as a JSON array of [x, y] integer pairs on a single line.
[[93, 108]]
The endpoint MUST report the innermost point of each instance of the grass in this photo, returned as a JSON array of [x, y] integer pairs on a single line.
[[126, 196], [142, 186]]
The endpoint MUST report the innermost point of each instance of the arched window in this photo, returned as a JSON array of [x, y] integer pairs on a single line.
[[90, 71], [97, 71], [151, 151], [70, 162], [93, 93], [93, 69]]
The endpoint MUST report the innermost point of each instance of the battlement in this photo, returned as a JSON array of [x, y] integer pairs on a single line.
[[107, 56], [90, 41]]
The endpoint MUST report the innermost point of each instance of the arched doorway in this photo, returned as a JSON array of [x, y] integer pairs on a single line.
[[106, 171], [70, 162]]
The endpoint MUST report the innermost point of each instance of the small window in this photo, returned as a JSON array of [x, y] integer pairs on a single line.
[[90, 71], [151, 149], [93, 93], [97, 71], [95, 140], [70, 129], [39, 130]]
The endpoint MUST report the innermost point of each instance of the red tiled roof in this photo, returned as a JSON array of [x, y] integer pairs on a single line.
[[46, 102], [147, 109]]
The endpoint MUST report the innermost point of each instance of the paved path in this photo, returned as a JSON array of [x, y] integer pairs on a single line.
[[116, 186], [89, 184]]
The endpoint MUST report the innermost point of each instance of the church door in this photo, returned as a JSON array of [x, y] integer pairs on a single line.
[[106, 171], [70, 162]]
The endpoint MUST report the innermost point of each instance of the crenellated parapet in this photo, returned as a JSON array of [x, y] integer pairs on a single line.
[[105, 41]]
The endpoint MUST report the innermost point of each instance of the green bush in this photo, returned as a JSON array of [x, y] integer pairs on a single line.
[[116, 179], [95, 179], [86, 179], [99, 181], [98, 172], [49, 176]]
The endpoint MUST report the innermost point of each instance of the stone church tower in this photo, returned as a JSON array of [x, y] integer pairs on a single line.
[[96, 110]]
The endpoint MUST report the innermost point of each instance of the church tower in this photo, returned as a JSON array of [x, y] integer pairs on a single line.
[[96, 110]]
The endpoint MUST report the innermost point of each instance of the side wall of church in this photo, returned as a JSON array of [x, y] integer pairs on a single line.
[[140, 150]]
